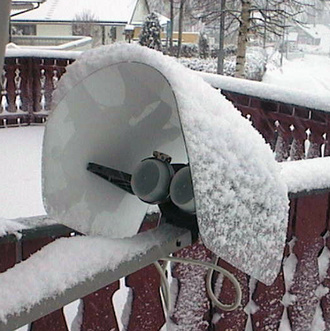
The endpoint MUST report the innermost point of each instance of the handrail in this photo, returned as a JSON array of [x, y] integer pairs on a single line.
[[164, 240]]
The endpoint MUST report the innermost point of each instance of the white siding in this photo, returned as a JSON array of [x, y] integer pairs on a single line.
[[140, 13], [54, 30], [120, 33]]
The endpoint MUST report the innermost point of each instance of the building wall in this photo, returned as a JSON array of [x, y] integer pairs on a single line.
[[141, 11], [54, 30]]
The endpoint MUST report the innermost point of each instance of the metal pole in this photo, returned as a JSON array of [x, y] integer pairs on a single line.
[[4, 20], [221, 38]]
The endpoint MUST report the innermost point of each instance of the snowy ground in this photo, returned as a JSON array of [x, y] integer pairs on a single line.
[[20, 172], [310, 73]]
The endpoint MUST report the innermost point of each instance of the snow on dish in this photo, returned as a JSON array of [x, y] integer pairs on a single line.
[[242, 202]]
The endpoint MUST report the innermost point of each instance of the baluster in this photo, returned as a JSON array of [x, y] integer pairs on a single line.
[[307, 142], [4, 101], [268, 300], [310, 223], [273, 300], [321, 316], [297, 149], [282, 144], [98, 310], [192, 308], [315, 142], [42, 90], [146, 309], [325, 301], [17, 81], [55, 78], [324, 144]]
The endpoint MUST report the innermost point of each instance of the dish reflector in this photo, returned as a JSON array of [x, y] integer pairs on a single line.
[[116, 117], [115, 107]]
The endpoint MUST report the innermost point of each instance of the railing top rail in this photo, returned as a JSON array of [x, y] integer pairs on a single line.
[[42, 53], [315, 101], [100, 265]]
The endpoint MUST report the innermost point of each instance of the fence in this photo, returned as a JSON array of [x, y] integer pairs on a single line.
[[299, 299], [26, 88]]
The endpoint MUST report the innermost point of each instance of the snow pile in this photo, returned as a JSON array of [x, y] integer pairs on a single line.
[[310, 74], [20, 172], [306, 175], [65, 263], [241, 201]]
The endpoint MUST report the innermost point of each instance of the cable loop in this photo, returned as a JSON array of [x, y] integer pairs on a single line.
[[212, 268]]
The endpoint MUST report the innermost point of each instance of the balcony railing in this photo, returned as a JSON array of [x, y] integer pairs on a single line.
[[300, 296]]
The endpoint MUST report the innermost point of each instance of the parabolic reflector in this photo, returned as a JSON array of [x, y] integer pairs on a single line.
[[117, 105]]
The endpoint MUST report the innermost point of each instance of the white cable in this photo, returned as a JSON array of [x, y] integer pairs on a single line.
[[212, 268], [165, 288], [232, 279]]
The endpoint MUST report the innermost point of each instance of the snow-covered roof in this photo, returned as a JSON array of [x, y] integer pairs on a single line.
[[66, 11], [315, 30], [163, 20], [318, 31]]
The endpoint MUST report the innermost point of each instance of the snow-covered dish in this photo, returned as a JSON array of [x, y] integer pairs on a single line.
[[241, 201]]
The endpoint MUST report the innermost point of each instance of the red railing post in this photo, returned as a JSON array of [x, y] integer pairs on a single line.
[[98, 310], [310, 225], [146, 307], [192, 306]]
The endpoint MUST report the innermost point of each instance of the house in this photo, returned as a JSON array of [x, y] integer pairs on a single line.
[[313, 37], [104, 20]]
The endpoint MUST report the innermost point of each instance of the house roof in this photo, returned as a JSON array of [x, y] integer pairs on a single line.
[[68, 10], [315, 31], [319, 31]]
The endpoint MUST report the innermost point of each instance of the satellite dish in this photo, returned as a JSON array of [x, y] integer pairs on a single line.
[[130, 128]]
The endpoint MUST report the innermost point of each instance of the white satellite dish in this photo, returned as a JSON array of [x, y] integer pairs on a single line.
[[131, 127]]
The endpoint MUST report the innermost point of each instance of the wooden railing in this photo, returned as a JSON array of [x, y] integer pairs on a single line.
[[26, 88], [300, 296]]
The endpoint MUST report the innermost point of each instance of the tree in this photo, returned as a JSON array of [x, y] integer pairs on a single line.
[[181, 12], [250, 18], [203, 45], [85, 24], [150, 35]]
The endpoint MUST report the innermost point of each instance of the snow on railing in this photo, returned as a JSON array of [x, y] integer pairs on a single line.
[[269, 92]]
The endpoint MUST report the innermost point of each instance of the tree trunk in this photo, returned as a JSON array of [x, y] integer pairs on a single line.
[[221, 54], [180, 27], [4, 18], [242, 38], [171, 24]]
